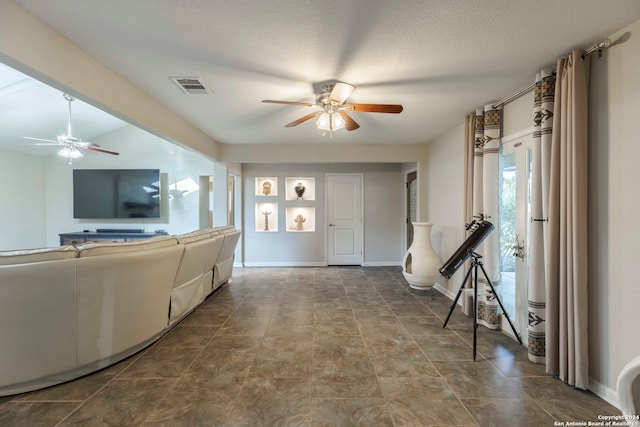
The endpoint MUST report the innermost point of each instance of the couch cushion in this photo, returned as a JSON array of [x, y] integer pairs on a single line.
[[223, 229], [194, 236], [94, 249], [37, 255]]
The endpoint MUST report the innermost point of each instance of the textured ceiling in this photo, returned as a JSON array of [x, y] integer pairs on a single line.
[[438, 58]]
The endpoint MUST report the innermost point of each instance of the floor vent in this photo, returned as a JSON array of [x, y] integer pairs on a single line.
[[191, 85]]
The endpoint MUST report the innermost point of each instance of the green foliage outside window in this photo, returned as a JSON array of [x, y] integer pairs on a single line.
[[507, 222]]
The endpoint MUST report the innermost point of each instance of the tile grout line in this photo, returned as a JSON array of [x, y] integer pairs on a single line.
[[386, 398], [179, 377], [248, 371]]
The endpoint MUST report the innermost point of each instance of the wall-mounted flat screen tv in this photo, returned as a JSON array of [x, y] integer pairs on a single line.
[[116, 193]]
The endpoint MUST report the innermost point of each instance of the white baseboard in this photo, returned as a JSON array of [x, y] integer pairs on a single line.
[[382, 264], [286, 264], [237, 265], [446, 292], [606, 393], [314, 264]]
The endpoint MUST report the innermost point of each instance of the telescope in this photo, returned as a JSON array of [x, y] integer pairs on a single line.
[[480, 230]]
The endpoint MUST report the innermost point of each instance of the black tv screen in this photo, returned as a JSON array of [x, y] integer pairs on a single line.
[[116, 193]]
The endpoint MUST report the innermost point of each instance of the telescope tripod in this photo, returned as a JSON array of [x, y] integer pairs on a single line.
[[475, 263]]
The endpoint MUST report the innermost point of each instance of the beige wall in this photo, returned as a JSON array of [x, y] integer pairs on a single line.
[[22, 201], [614, 230], [443, 183], [321, 153], [383, 209], [409, 156], [518, 115]]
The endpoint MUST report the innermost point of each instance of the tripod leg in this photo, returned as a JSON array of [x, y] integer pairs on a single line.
[[475, 310], [457, 297], [513, 328]]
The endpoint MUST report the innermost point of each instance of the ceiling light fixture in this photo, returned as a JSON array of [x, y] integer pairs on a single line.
[[330, 121], [70, 152]]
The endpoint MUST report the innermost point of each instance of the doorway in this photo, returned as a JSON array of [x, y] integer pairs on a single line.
[[344, 219], [412, 204], [231, 200], [515, 210]]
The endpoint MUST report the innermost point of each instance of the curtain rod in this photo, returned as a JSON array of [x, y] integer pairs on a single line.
[[598, 47]]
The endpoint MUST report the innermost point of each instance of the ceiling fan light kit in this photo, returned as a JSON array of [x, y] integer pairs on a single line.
[[70, 153], [329, 122], [70, 144], [333, 110]]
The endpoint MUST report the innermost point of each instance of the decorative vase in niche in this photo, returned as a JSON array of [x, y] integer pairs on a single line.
[[420, 264], [299, 189], [266, 188]]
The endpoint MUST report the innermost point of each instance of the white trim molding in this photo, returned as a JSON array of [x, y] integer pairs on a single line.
[[382, 264], [446, 292], [606, 393], [285, 264]]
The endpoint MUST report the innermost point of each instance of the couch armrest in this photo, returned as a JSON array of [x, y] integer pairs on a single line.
[[37, 314]]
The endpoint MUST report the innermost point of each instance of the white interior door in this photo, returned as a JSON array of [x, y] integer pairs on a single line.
[[344, 219]]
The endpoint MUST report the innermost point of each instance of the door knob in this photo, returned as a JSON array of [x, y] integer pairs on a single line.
[[332, 225]]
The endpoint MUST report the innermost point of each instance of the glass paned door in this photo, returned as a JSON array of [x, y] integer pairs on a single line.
[[515, 207]]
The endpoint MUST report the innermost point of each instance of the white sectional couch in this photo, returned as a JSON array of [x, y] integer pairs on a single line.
[[224, 265], [69, 311], [194, 278]]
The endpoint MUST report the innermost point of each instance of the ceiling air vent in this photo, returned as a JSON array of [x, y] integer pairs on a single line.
[[191, 85]]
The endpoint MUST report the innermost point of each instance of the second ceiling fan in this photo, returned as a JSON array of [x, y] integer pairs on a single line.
[[70, 145], [333, 111]]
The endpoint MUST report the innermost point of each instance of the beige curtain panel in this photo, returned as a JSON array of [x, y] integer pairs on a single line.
[[469, 138], [557, 293], [543, 106], [488, 131], [567, 352]]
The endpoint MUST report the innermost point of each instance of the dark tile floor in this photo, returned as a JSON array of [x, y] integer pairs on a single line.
[[315, 347]]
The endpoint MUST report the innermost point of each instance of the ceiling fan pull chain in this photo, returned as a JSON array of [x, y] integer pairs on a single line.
[[69, 119]]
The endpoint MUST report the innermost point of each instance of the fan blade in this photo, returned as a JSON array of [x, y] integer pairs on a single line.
[[374, 108], [341, 91], [40, 139], [95, 147], [304, 104], [303, 119], [349, 123]]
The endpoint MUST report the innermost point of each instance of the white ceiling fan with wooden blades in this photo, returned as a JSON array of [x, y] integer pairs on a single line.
[[71, 145], [332, 113]]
